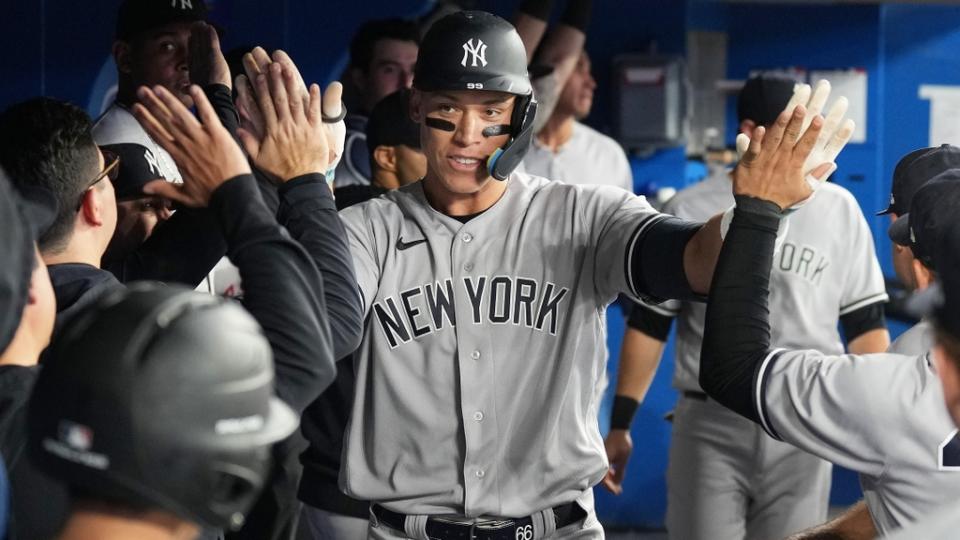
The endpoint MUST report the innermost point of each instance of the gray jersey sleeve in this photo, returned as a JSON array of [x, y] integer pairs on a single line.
[[864, 283], [615, 222], [835, 407], [363, 234]]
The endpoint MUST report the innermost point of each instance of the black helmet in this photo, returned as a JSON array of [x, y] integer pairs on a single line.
[[161, 397], [476, 50]]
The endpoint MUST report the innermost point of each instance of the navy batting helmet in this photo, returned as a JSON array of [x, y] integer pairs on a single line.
[[161, 397], [476, 50]]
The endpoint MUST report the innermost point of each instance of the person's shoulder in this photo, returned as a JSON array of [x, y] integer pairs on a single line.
[[707, 197], [598, 139], [118, 125]]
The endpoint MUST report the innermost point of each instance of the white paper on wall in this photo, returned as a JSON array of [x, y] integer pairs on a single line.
[[851, 83], [944, 113]]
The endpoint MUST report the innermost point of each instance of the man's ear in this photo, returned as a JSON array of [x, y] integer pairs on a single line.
[[415, 105], [91, 208], [122, 56], [922, 275], [386, 158], [747, 126]]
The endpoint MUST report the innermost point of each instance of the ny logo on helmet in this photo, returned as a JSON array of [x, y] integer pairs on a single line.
[[479, 52]]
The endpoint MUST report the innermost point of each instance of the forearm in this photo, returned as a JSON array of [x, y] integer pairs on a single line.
[[308, 211], [700, 256], [531, 23], [854, 524], [282, 289], [873, 341], [736, 337], [182, 249], [639, 359], [564, 44], [221, 98]]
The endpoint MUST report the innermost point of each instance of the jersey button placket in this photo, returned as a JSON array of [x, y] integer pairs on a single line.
[[476, 380]]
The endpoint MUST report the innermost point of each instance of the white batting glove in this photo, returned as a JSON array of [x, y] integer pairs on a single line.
[[833, 137]]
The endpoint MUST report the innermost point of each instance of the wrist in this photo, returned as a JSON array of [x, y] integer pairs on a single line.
[[624, 409]]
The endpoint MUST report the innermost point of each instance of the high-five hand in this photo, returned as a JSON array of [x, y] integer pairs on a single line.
[[204, 151], [772, 168]]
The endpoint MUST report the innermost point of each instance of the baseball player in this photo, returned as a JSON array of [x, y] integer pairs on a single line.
[[157, 408], [382, 55], [479, 373], [726, 479], [830, 405]]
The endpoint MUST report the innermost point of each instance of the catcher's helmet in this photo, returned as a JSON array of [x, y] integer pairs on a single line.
[[163, 398], [476, 50]]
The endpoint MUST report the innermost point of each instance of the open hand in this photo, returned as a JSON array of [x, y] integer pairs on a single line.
[[207, 64], [254, 112], [204, 151], [834, 135], [771, 169], [619, 445]]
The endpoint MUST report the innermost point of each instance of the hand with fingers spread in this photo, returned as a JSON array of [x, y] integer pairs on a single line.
[[207, 65], [203, 149], [772, 168], [293, 141], [834, 135], [619, 445]]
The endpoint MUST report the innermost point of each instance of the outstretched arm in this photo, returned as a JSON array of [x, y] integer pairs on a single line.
[[854, 524], [283, 288], [736, 336]]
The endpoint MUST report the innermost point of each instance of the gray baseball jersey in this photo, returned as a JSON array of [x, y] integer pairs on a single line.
[[589, 157], [826, 267], [881, 415], [478, 378], [117, 125], [943, 524], [918, 339]]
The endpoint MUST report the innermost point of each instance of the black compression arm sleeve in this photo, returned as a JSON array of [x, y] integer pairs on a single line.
[[650, 322], [538, 9], [860, 321], [736, 335], [283, 290], [577, 14], [307, 210], [657, 260]]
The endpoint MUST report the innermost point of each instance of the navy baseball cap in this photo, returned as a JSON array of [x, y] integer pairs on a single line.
[[138, 16], [390, 123], [914, 170], [763, 98], [24, 216], [941, 300], [137, 168], [933, 211]]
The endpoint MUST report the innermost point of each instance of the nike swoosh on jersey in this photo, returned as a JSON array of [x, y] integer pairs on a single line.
[[401, 245]]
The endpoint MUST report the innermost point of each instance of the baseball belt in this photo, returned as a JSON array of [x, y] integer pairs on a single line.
[[507, 529]]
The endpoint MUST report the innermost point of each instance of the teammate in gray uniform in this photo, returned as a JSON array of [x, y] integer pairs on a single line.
[[478, 376], [570, 151], [726, 479], [911, 172], [831, 404]]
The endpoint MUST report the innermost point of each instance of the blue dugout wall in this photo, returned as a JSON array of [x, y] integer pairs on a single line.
[[62, 49]]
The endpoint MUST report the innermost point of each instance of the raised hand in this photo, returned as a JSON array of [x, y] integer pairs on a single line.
[[203, 149], [207, 64], [834, 136], [293, 141], [254, 110], [619, 445], [771, 169]]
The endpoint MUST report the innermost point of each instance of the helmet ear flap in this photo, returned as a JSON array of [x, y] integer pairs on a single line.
[[504, 160]]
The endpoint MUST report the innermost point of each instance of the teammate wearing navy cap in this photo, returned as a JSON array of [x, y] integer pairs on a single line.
[[831, 404]]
